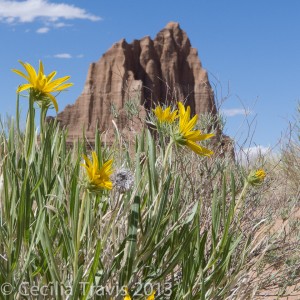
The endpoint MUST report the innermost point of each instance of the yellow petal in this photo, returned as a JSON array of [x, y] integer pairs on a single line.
[[181, 109], [166, 112], [206, 136], [185, 124], [55, 83], [193, 135], [62, 87], [87, 160], [158, 113], [30, 70], [127, 296], [183, 120], [41, 67], [95, 160], [21, 74], [108, 185], [50, 76], [41, 83], [41, 70], [53, 101], [198, 149], [197, 136], [151, 297], [191, 124], [107, 166], [24, 87], [174, 115]]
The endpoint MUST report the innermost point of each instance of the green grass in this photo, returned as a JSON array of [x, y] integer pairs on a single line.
[[176, 230]]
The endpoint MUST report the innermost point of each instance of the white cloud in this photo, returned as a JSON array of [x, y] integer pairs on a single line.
[[231, 112], [252, 153], [61, 24], [80, 56], [30, 10], [43, 30], [62, 55]]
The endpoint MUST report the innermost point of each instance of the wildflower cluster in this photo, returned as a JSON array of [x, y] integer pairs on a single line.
[[182, 132], [84, 237]]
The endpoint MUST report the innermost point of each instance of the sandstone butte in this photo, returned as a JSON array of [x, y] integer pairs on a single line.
[[135, 77]]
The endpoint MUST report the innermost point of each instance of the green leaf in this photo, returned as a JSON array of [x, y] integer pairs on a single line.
[[152, 160], [157, 218], [132, 238], [76, 288], [93, 270]]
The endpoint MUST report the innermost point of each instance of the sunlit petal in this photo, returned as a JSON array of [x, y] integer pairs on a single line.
[[30, 70], [50, 76], [206, 136], [98, 177], [190, 124], [187, 136], [62, 87], [199, 149], [21, 74], [166, 115], [24, 87], [53, 99]]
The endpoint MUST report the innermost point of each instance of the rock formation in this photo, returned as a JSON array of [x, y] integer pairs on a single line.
[[139, 75]]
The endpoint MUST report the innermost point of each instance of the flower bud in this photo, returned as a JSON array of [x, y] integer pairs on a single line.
[[257, 177]]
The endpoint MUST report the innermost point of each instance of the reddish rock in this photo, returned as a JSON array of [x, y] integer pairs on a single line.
[[138, 75]]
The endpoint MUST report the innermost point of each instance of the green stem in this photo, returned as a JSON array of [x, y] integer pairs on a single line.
[[9, 261], [163, 173], [29, 134], [79, 229], [239, 203], [165, 161], [18, 115], [42, 122], [169, 147]]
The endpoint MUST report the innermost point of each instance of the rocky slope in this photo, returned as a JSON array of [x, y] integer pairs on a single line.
[[135, 76]]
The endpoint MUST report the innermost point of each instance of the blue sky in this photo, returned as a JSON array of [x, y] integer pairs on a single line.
[[251, 50]]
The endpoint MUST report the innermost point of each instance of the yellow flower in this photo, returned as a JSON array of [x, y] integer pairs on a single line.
[[257, 177], [165, 115], [261, 174], [41, 84], [127, 296], [98, 177], [151, 297], [187, 136]]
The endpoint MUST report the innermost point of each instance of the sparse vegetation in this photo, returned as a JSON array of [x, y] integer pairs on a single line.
[[187, 225]]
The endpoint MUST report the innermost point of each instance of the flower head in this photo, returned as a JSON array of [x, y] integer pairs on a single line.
[[165, 115], [42, 85], [127, 296], [151, 297], [185, 134], [256, 177], [123, 180], [98, 177]]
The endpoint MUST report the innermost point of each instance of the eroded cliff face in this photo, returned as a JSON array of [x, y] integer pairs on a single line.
[[144, 72]]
